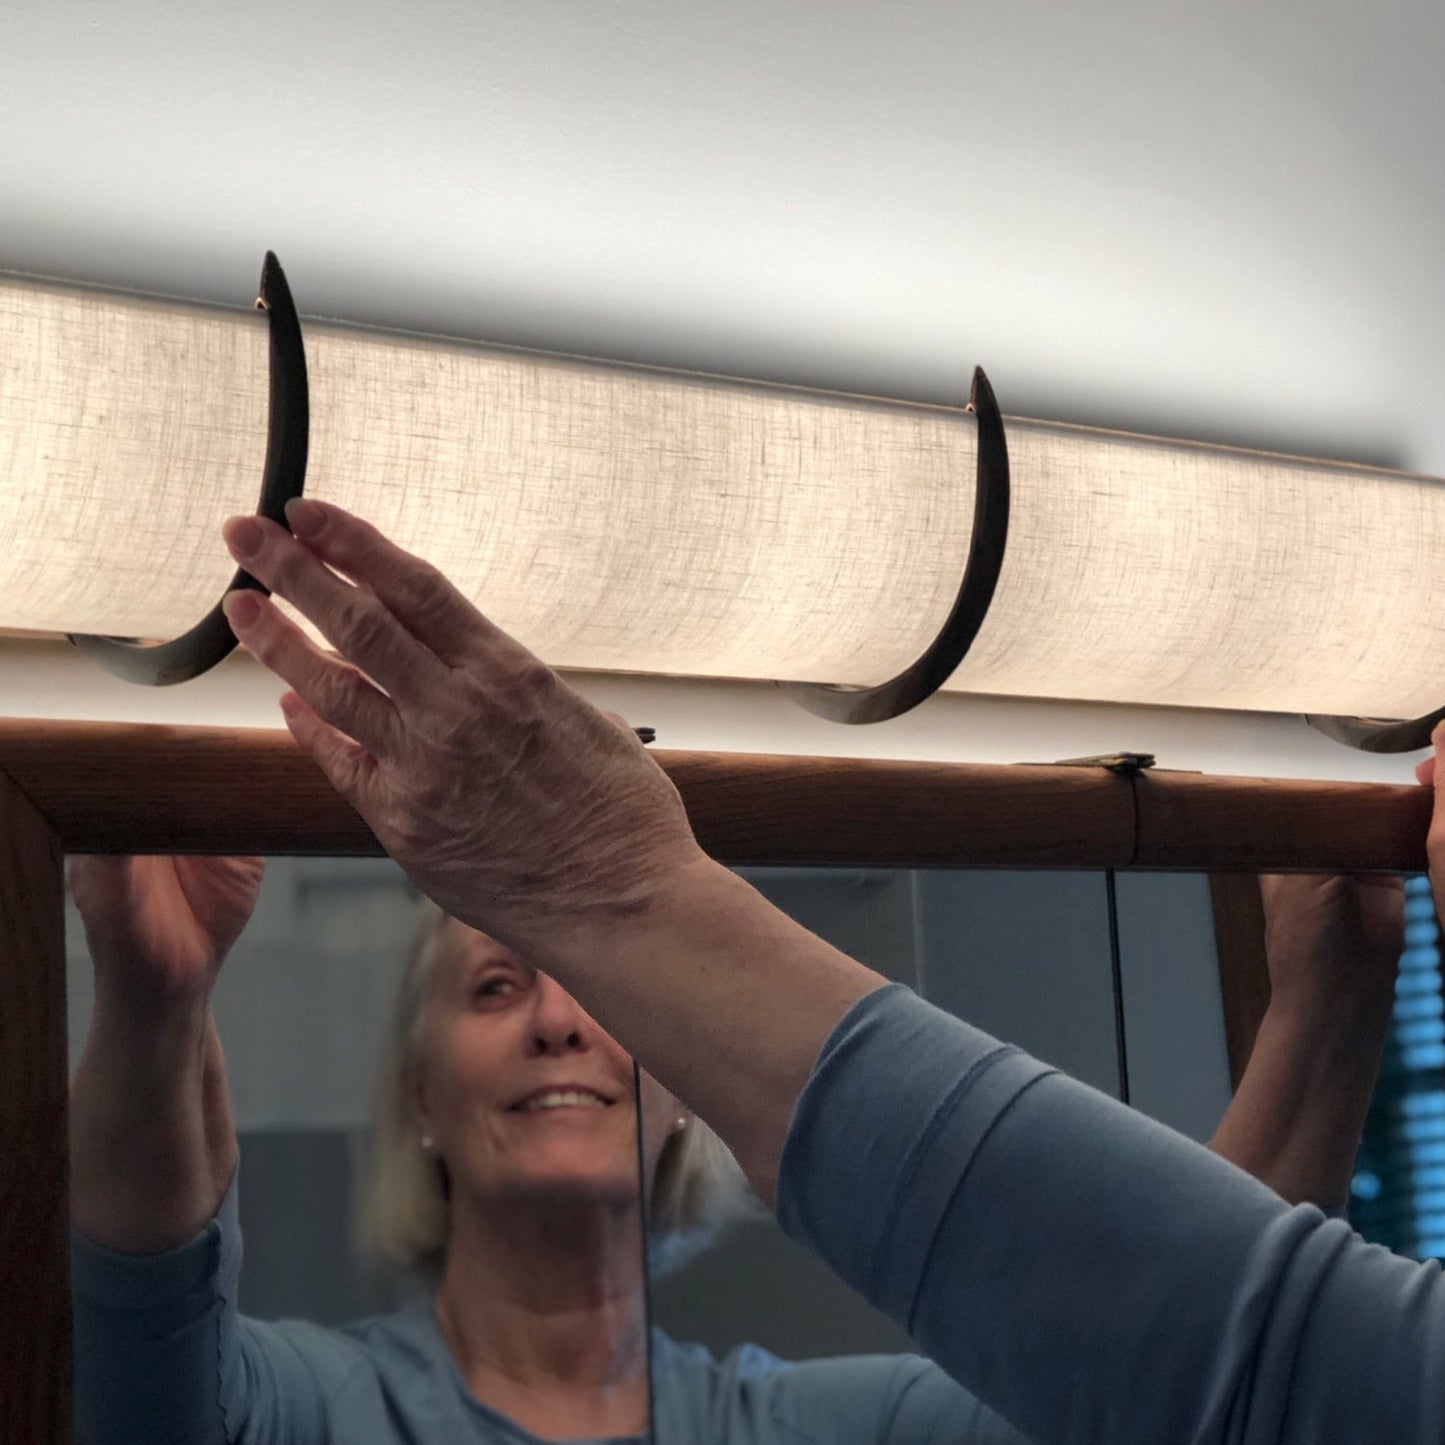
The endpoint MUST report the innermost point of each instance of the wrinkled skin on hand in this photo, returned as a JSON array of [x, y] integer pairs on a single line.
[[158, 929], [534, 813], [505, 796], [1335, 934]]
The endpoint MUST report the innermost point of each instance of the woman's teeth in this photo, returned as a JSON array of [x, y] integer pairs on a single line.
[[562, 1100]]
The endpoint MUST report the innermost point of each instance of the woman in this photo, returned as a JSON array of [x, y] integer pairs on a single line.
[[950, 1178], [505, 1170]]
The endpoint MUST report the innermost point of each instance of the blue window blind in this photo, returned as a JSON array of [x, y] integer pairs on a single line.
[[1397, 1197]]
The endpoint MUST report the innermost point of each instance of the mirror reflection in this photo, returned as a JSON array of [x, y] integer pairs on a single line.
[[438, 1181], [439, 1174]]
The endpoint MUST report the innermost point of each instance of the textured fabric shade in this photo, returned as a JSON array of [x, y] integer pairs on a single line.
[[617, 518]]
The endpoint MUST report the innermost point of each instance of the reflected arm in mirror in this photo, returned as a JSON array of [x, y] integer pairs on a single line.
[[152, 1142], [1333, 945]]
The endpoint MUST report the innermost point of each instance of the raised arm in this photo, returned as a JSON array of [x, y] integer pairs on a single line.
[[152, 1145], [1333, 946], [1089, 1274], [523, 811]]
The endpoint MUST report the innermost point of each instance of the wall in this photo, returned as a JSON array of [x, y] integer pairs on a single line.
[[1212, 218]]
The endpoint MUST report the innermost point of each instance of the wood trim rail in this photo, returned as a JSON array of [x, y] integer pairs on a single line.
[[1206, 824], [123, 787]]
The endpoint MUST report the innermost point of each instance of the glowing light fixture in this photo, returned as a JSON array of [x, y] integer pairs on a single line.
[[618, 518]]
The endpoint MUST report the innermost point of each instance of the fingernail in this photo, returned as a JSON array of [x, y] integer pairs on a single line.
[[305, 516], [242, 607], [243, 536]]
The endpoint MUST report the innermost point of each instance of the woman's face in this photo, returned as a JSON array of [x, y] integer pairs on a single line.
[[521, 1090]]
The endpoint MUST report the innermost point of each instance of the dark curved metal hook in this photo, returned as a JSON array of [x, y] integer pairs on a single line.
[[1377, 734], [287, 438], [980, 577]]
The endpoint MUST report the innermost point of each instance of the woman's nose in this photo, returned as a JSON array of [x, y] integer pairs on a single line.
[[558, 1025]]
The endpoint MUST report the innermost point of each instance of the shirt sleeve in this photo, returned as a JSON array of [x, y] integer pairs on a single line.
[[162, 1356], [1089, 1274], [933, 1409]]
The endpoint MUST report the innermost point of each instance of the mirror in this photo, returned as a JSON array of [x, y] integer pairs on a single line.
[[305, 1003]]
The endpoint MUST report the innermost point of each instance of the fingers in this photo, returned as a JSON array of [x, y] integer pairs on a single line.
[[92, 875], [414, 592], [354, 621], [1380, 882], [349, 766], [333, 689], [1271, 885], [1433, 775]]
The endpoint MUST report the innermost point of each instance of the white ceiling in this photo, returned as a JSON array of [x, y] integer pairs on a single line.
[[1221, 220]]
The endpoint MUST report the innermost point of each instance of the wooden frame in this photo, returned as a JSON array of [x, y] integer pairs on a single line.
[[87, 787]]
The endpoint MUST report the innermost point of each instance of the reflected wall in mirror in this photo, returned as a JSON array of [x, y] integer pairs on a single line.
[[485, 1130]]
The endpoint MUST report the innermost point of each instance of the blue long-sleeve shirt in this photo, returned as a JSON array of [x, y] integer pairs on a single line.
[[1091, 1275], [162, 1356]]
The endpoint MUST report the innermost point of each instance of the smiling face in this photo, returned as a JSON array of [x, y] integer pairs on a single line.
[[524, 1095]]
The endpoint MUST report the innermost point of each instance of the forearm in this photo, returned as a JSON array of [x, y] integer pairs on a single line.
[[1296, 1118], [152, 1143], [720, 996]]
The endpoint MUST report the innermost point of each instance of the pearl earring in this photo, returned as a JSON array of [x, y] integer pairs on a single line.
[[679, 1124], [428, 1143]]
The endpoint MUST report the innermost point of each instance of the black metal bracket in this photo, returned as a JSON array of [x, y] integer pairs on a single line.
[[1378, 735], [1125, 765], [980, 577], [288, 434]]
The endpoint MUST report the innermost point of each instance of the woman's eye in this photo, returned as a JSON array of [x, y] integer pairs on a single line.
[[494, 988]]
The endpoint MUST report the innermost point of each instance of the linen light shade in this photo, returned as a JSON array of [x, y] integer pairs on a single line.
[[617, 518]]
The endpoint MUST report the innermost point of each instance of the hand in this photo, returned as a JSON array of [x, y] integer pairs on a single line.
[[1431, 775], [503, 794], [1295, 1120], [1328, 937], [159, 928]]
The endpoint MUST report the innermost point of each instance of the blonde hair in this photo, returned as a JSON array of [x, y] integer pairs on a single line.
[[405, 1213]]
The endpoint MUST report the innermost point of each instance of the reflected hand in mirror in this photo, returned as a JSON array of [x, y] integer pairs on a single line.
[[1429, 774], [152, 1146], [1333, 947]]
